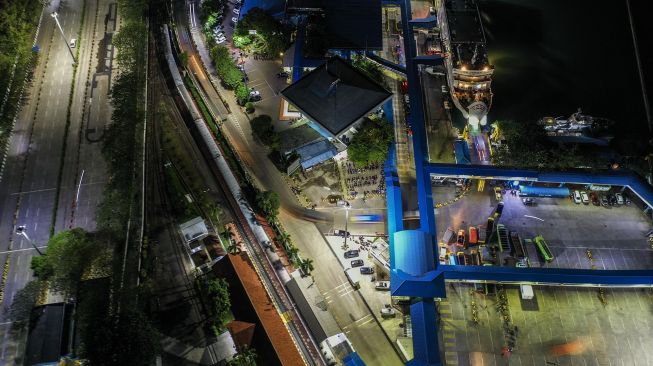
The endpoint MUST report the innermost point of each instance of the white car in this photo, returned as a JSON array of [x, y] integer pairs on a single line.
[[234, 19], [220, 40], [620, 198], [382, 286], [585, 198], [236, 11], [577, 199], [388, 311], [73, 43]]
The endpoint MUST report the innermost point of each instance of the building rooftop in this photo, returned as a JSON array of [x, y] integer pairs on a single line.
[[194, 229], [354, 24], [335, 95], [276, 331]]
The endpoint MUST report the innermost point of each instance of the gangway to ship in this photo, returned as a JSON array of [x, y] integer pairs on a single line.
[[502, 234]]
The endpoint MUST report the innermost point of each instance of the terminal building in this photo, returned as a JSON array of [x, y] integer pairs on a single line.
[[335, 98]]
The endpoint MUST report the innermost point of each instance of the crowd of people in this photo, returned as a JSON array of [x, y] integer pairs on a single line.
[[366, 181]]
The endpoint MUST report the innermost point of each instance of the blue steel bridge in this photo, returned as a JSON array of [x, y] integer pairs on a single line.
[[415, 271]]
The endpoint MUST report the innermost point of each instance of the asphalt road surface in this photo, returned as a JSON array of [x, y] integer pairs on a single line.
[[31, 176]]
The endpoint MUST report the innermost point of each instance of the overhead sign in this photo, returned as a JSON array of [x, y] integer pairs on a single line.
[[596, 187]]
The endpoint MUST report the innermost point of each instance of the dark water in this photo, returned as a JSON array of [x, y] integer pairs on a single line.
[[553, 56]]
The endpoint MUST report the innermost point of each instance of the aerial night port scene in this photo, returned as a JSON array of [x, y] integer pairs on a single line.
[[326, 182]]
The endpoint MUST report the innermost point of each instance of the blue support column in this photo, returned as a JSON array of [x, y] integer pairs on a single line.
[[425, 334]]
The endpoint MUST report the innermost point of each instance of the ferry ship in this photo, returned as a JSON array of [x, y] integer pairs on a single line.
[[468, 67]]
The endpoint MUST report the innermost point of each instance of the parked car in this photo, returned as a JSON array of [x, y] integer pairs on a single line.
[[388, 311], [341, 233], [382, 285], [460, 240], [220, 40], [577, 199], [612, 200], [351, 254], [234, 20], [528, 201], [357, 263], [236, 11], [282, 74], [619, 198], [497, 193], [604, 201], [73, 43], [595, 199], [585, 198], [367, 270]]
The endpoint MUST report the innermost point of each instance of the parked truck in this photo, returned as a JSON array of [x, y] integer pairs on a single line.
[[526, 292]]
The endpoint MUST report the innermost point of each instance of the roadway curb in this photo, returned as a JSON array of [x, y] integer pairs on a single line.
[[367, 305]]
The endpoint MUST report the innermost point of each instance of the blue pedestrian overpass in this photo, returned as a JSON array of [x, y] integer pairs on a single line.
[[415, 270], [628, 179]]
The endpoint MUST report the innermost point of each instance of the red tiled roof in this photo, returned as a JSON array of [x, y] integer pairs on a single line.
[[266, 312]]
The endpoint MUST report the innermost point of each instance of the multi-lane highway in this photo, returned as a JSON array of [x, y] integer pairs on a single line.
[[31, 179]]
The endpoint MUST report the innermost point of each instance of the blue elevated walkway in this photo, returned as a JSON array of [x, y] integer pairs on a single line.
[[614, 178], [428, 22], [386, 64]]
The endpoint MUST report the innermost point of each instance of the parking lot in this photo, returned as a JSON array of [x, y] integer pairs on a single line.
[[616, 236], [559, 326]]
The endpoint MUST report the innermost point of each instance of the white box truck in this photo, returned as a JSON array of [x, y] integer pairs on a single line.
[[526, 292]]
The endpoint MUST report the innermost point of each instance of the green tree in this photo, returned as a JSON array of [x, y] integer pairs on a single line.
[[292, 252], [306, 266], [263, 129], [232, 247], [68, 256], [218, 293], [127, 338], [371, 143], [271, 36], [183, 58], [526, 145], [244, 357], [268, 202], [369, 68], [249, 107], [242, 93], [283, 238]]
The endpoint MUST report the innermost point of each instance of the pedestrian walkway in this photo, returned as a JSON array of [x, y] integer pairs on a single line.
[[448, 332]]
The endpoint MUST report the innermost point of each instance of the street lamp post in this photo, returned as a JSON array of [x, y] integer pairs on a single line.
[[56, 19], [20, 230], [347, 206]]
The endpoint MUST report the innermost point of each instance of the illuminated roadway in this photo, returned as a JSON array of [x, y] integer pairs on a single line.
[[31, 175]]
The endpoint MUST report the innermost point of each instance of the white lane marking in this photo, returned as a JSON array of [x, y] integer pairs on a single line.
[[533, 217]]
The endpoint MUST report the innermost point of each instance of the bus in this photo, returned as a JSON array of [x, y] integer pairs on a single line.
[[452, 260], [473, 236], [543, 248]]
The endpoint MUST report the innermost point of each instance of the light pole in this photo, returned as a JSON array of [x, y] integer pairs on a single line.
[[346, 206], [20, 230], [56, 19]]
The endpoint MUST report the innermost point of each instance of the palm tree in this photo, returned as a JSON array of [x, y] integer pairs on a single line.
[[232, 247], [283, 238], [292, 252], [306, 266]]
